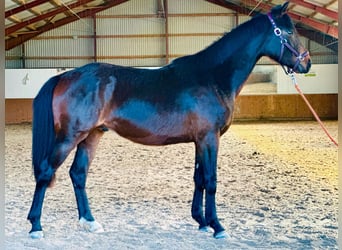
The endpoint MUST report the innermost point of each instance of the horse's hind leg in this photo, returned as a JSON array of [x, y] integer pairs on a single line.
[[44, 176], [42, 182], [78, 173]]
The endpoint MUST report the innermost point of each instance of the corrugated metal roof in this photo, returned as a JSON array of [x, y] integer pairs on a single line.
[[25, 19]]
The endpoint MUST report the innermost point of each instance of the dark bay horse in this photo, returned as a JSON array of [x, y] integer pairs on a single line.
[[188, 100]]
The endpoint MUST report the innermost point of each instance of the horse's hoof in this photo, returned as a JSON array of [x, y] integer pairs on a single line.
[[91, 226], [205, 229], [221, 235], [37, 235]]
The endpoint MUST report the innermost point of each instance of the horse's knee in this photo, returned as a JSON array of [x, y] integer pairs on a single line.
[[198, 177]]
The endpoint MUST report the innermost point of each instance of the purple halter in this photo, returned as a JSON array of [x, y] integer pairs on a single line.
[[284, 43]]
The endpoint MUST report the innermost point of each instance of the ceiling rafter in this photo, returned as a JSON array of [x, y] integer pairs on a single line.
[[317, 9], [325, 28], [36, 11], [25, 6], [238, 8], [56, 2], [321, 27], [59, 10], [319, 37], [14, 19], [12, 42], [314, 16]]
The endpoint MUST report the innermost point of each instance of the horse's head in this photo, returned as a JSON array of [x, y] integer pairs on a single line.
[[284, 45]]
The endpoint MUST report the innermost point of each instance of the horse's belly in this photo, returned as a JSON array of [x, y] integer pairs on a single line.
[[159, 133], [145, 123]]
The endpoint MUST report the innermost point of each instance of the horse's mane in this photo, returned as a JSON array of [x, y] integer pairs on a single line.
[[226, 45]]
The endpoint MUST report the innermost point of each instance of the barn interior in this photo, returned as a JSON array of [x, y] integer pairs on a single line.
[[277, 171]]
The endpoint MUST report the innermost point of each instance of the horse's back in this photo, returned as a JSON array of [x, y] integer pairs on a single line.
[[88, 95]]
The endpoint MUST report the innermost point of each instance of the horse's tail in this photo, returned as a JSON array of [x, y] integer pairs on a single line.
[[43, 132]]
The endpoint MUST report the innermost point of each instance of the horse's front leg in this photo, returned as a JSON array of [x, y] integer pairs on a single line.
[[207, 150], [78, 173], [197, 201]]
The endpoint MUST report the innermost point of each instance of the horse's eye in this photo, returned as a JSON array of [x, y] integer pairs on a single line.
[[290, 32]]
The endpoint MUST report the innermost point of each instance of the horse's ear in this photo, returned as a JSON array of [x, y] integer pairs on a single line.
[[284, 7], [280, 10]]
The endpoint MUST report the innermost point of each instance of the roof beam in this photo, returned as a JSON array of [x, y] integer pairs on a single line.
[[325, 28], [36, 11], [320, 38], [330, 30], [13, 42], [56, 2], [322, 27], [232, 6], [26, 6], [14, 19], [62, 9], [316, 8]]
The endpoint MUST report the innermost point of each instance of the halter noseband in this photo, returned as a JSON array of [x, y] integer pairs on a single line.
[[284, 43]]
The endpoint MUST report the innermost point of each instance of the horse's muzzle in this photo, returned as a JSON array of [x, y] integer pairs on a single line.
[[304, 66]]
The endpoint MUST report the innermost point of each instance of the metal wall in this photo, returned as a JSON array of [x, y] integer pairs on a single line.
[[136, 33], [68, 46], [131, 35]]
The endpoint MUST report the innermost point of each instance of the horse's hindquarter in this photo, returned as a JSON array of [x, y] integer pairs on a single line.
[[80, 98]]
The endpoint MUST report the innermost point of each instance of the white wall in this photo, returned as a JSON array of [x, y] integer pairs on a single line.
[[321, 79], [25, 83]]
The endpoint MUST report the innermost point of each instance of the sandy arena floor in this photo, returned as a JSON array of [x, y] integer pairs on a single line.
[[277, 189]]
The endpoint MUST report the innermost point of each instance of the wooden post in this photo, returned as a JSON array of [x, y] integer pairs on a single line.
[[166, 15], [23, 55], [95, 38]]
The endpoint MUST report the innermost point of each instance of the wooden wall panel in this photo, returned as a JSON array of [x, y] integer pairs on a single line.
[[282, 107], [18, 110], [256, 107]]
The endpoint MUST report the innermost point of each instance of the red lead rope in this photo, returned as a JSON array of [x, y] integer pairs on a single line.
[[311, 109]]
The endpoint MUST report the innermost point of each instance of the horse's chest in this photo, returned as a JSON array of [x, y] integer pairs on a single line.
[[217, 109]]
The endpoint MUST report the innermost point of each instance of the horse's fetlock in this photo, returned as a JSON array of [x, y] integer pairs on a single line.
[[78, 186]]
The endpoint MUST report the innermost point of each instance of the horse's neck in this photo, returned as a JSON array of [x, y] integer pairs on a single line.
[[231, 75], [234, 56]]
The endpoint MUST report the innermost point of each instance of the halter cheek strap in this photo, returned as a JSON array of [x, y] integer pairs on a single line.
[[284, 43]]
